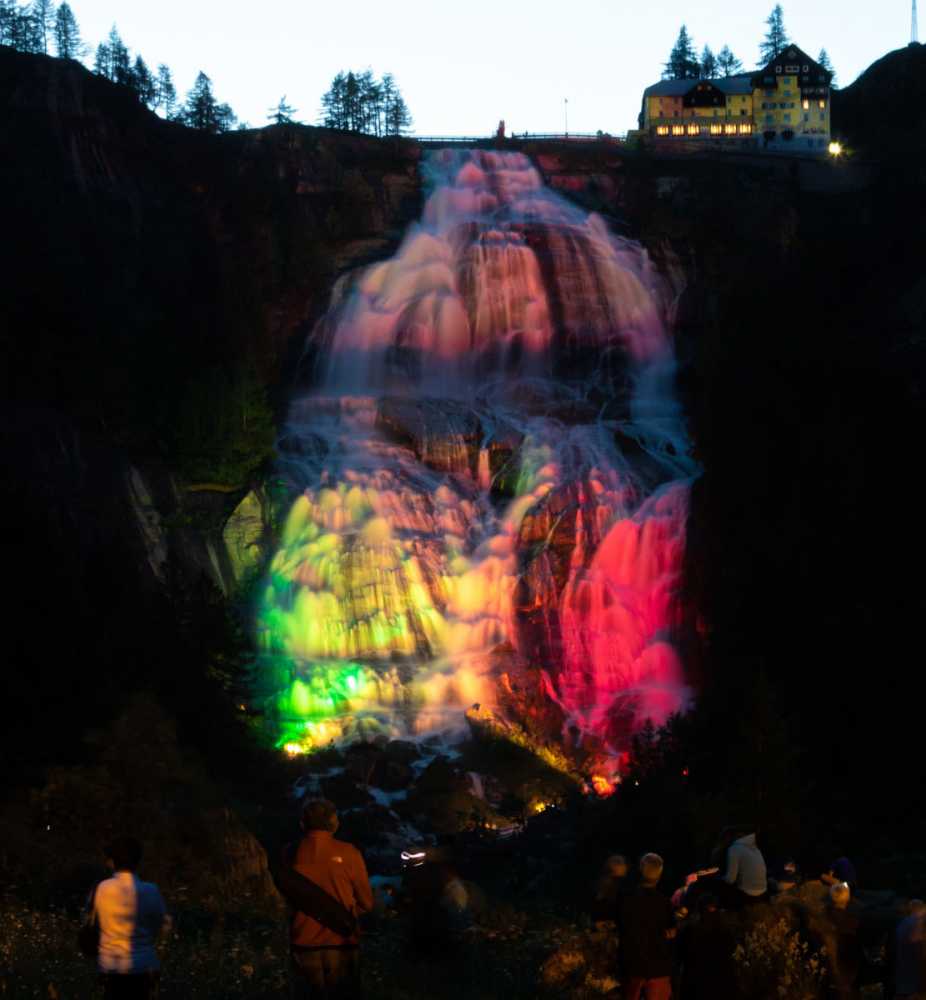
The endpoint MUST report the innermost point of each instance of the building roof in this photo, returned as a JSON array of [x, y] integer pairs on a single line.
[[739, 84]]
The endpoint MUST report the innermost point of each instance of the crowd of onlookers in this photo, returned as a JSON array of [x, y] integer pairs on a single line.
[[684, 944], [679, 944]]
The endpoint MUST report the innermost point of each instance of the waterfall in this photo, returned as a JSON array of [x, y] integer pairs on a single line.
[[491, 480]]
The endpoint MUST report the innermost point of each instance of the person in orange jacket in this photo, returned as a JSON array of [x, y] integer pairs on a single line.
[[326, 962]]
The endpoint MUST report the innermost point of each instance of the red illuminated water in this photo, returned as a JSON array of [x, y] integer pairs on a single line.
[[494, 476]]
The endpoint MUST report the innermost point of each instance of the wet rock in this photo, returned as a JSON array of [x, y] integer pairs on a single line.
[[343, 791], [443, 434], [372, 826], [403, 751], [244, 534], [392, 775]]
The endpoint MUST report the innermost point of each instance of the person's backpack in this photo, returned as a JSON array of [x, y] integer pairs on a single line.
[[88, 936], [312, 900]]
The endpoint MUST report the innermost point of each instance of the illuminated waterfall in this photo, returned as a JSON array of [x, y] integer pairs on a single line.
[[493, 474]]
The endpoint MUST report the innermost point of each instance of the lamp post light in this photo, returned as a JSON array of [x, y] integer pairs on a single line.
[[835, 150]]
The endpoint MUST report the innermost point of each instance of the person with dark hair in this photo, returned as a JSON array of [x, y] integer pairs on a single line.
[[131, 916], [646, 925], [840, 870], [324, 933], [609, 889], [706, 946]]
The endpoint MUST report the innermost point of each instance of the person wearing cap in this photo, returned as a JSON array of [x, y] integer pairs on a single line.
[[646, 925], [841, 870], [843, 946], [326, 961]]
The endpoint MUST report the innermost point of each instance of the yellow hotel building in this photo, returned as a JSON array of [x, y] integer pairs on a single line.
[[784, 107]]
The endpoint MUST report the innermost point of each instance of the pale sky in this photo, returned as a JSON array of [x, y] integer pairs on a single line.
[[463, 66]]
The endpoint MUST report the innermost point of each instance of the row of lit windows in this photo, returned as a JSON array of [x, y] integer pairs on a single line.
[[743, 128]]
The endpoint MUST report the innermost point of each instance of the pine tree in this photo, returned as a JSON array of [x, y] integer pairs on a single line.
[[203, 111], [120, 65], [166, 92], [103, 61], [727, 63], [144, 84], [200, 110], [7, 13], [225, 118], [824, 60], [43, 16], [398, 120], [282, 114], [776, 38], [333, 111], [708, 63], [67, 35], [683, 62], [21, 30]]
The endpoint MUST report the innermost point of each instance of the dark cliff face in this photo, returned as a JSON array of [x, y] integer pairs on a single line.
[[157, 285], [147, 258], [145, 251]]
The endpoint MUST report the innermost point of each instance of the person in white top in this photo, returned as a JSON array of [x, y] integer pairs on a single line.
[[132, 916], [746, 870]]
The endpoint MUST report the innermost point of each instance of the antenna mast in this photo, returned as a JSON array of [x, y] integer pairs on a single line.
[[914, 33]]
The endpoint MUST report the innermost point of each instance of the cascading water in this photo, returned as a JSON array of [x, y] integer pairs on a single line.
[[492, 478]]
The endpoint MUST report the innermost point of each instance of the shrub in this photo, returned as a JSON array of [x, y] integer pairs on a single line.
[[774, 962]]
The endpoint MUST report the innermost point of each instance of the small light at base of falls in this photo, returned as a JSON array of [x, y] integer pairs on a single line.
[[294, 749]]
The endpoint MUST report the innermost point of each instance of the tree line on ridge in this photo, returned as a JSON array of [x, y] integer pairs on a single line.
[[355, 102], [684, 63]]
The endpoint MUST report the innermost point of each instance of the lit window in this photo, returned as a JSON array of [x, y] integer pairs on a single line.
[[662, 130], [678, 130], [822, 104], [716, 129], [805, 104], [694, 129], [729, 130], [745, 128]]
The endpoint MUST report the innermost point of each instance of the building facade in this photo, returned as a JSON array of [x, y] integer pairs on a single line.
[[784, 106]]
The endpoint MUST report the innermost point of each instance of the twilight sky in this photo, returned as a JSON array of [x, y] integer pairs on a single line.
[[463, 66]]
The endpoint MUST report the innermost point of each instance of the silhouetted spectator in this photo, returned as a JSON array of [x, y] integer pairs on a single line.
[[609, 889], [706, 946], [843, 945], [647, 930], [840, 870], [326, 958], [437, 898], [746, 872], [132, 916], [910, 954]]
